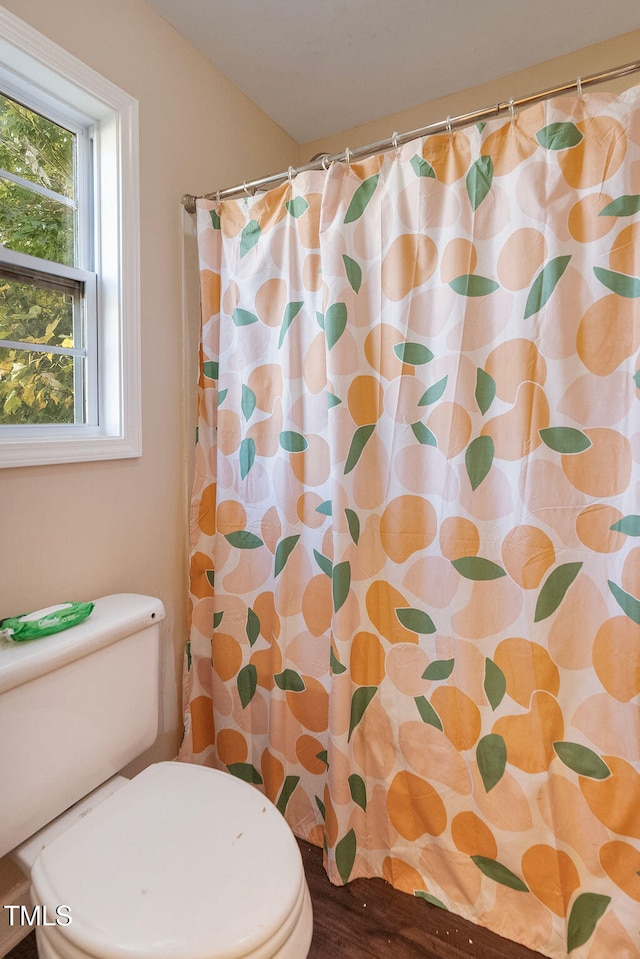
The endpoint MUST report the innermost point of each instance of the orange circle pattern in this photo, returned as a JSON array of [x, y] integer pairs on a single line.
[[414, 594]]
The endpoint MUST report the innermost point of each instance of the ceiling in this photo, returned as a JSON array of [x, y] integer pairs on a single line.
[[318, 67]]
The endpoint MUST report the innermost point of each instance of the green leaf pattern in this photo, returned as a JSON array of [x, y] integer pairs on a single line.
[[361, 199], [554, 588], [359, 702], [473, 285], [544, 284], [479, 179], [586, 912], [491, 756], [307, 546]]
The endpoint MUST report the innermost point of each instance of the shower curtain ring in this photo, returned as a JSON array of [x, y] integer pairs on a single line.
[[291, 173], [449, 127], [324, 162], [579, 87], [512, 112], [347, 156], [394, 140], [245, 188]]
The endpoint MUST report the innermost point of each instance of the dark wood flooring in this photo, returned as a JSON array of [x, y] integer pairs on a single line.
[[368, 919]]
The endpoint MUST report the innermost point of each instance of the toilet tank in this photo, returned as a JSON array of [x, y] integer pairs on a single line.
[[75, 707]]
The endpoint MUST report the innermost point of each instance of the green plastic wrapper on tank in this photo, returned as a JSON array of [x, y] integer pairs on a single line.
[[44, 622]]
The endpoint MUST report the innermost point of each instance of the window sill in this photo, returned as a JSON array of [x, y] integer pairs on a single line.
[[61, 446]]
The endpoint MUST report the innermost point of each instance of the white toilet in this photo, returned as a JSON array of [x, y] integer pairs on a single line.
[[180, 862]]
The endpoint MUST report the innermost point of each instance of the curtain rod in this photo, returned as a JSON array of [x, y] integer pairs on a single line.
[[324, 160]]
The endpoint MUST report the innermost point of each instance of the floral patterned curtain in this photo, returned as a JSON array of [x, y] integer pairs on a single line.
[[417, 490]]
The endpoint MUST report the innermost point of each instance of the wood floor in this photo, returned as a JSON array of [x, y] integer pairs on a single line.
[[368, 919]]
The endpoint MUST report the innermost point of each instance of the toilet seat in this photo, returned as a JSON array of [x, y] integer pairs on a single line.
[[184, 862]]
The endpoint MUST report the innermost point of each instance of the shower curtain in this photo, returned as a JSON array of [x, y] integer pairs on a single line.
[[414, 574]]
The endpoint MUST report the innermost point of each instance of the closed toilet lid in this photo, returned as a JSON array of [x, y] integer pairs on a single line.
[[184, 862]]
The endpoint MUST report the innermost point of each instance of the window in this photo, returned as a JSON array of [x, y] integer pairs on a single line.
[[48, 317], [69, 259]]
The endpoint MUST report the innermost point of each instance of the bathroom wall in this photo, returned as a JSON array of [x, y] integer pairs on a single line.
[[592, 59], [78, 531]]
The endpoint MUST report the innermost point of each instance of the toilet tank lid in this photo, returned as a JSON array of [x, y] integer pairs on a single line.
[[113, 618]]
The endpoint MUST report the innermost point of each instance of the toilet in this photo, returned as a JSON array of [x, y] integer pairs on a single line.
[[179, 862]]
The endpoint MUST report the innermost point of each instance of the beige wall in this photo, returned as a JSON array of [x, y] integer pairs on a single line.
[[589, 60], [81, 531]]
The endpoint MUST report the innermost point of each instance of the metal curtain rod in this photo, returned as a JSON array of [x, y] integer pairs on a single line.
[[393, 142]]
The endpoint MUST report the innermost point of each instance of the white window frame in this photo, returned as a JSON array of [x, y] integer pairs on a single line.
[[54, 75]]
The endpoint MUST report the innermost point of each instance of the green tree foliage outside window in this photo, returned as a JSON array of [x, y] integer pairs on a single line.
[[36, 387]]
